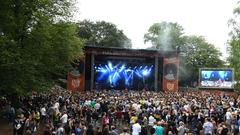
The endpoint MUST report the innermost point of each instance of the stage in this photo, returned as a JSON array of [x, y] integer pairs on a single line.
[[133, 69]]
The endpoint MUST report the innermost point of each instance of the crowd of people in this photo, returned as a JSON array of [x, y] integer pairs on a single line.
[[109, 112]]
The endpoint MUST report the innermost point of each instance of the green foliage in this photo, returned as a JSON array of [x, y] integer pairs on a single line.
[[102, 34], [36, 45], [234, 44], [234, 59], [164, 35], [198, 54]]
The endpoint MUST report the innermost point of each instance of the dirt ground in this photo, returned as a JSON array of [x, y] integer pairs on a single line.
[[7, 129]]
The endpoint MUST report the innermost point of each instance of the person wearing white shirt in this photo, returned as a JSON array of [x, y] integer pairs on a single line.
[[43, 113], [97, 106], [64, 118], [228, 117], [151, 120], [208, 127], [136, 129], [56, 105]]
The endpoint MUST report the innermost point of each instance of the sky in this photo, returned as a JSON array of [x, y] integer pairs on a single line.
[[207, 18]]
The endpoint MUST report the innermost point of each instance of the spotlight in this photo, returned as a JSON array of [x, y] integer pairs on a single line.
[[145, 72]]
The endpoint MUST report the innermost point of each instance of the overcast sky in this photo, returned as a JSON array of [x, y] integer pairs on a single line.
[[207, 18]]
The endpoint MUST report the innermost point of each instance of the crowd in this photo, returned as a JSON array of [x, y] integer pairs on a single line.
[[61, 112]]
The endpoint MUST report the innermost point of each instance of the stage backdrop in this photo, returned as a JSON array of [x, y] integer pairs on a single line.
[[75, 82], [170, 74]]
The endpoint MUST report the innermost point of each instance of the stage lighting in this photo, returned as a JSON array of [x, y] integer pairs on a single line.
[[110, 66], [115, 73], [103, 70], [122, 68], [145, 72]]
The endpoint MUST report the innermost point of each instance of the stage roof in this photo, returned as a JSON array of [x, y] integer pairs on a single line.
[[128, 52]]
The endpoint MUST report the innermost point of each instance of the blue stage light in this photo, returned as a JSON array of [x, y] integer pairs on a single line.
[[122, 68], [145, 72], [110, 66], [116, 72], [137, 72]]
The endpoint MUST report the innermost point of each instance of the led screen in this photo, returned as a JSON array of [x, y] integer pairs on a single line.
[[121, 74], [216, 78]]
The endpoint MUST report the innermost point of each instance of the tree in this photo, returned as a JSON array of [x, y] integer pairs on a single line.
[[165, 36], [103, 34], [198, 54], [234, 44], [37, 44]]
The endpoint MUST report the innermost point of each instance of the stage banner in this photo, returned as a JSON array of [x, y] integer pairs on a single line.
[[75, 82], [170, 74]]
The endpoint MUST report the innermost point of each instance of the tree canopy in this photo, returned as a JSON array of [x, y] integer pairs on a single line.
[[37, 44], [164, 36], [198, 53], [102, 34], [234, 43]]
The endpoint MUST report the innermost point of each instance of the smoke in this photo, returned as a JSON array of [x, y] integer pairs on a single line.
[[126, 43], [184, 73], [164, 38]]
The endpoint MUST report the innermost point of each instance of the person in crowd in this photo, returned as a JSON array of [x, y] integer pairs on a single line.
[[208, 127], [90, 130], [18, 125], [144, 130], [151, 120], [105, 120], [78, 130], [159, 130], [43, 114], [47, 130], [106, 130], [125, 131], [136, 128], [113, 131], [98, 131], [152, 131], [60, 129], [222, 129], [95, 112], [181, 128]]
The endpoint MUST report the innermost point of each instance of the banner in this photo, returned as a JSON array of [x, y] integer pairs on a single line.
[[75, 82], [170, 74]]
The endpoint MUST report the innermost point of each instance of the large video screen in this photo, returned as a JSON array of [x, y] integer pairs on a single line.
[[216, 78], [121, 73]]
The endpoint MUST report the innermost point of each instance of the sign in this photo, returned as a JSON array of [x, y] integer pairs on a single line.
[[170, 74], [75, 82]]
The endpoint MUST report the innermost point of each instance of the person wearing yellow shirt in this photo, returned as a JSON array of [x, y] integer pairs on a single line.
[[133, 119], [37, 117]]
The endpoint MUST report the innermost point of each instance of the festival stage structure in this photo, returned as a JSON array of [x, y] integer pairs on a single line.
[[132, 69]]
